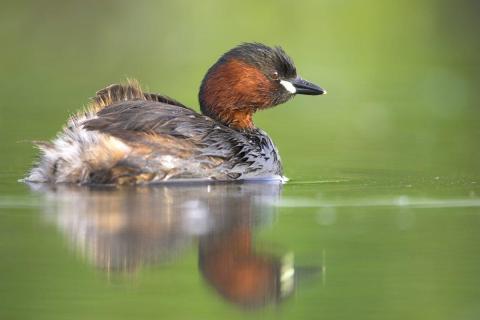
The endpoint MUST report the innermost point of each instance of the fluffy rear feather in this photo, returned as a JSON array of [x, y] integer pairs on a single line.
[[78, 155], [128, 136]]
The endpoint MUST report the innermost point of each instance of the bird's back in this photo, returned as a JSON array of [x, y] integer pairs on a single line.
[[128, 136]]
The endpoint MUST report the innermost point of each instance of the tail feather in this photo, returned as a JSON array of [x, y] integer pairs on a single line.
[[117, 92], [76, 152], [124, 92]]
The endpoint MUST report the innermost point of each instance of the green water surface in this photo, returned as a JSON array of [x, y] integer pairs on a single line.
[[380, 218]]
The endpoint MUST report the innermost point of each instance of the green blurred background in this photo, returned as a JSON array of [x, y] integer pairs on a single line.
[[400, 121], [402, 76]]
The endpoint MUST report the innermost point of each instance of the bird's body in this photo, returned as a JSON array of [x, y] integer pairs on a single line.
[[128, 136]]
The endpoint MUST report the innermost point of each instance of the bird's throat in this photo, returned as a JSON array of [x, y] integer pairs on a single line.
[[236, 119]]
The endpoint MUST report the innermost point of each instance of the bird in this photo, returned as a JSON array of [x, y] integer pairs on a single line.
[[126, 136]]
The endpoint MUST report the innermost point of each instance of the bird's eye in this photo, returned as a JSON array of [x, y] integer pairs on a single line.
[[275, 76]]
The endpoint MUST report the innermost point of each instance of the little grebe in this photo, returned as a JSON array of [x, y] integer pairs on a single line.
[[129, 136]]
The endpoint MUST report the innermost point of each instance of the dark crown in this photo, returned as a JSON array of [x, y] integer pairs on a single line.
[[263, 57]]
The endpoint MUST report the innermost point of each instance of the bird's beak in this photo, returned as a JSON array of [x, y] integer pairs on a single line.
[[304, 87]]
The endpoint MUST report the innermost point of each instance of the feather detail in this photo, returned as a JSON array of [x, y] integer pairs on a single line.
[[126, 136], [125, 92]]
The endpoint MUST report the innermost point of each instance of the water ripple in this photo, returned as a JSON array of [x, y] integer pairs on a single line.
[[401, 201]]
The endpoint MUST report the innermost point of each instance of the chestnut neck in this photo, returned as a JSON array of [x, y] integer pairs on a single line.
[[232, 91], [237, 119]]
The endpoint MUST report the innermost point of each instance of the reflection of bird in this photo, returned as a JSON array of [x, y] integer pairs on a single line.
[[241, 275], [129, 136], [121, 230]]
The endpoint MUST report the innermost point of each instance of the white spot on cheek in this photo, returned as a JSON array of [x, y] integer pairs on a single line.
[[288, 86]]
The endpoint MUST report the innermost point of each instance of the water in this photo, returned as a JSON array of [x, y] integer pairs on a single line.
[[301, 249], [380, 217]]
